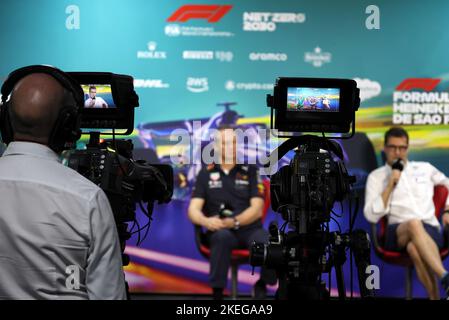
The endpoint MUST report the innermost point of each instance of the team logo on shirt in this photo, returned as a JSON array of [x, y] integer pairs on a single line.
[[214, 180], [261, 189], [214, 176], [241, 179], [242, 182]]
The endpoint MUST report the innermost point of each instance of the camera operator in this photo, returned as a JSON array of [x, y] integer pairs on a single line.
[[403, 190], [58, 238], [235, 186]]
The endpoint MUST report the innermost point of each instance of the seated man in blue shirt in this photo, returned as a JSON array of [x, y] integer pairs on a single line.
[[233, 186]]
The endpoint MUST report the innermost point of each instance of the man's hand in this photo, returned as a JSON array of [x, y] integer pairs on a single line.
[[445, 219], [229, 223], [394, 177], [214, 224]]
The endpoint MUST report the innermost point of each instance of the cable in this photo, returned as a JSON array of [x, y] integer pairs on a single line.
[[133, 226], [335, 214], [356, 210], [350, 248], [331, 258], [149, 215], [284, 225], [138, 233], [338, 224]]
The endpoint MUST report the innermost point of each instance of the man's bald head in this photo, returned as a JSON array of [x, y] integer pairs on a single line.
[[34, 106]]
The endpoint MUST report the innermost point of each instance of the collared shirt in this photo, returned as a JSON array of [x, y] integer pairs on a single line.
[[99, 102], [58, 238], [412, 198], [233, 189]]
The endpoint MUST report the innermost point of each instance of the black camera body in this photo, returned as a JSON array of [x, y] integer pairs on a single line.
[[109, 163], [121, 177], [313, 181], [314, 104], [305, 191], [118, 90], [125, 182]]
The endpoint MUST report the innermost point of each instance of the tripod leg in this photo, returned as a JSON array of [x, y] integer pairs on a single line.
[[340, 282], [361, 246], [128, 296], [282, 291]]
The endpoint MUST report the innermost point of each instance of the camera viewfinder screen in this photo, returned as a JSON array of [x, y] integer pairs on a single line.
[[98, 96], [313, 99]]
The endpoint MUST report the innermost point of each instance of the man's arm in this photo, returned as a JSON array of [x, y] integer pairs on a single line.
[[104, 274], [392, 182], [89, 103], [195, 212], [103, 103], [249, 215], [376, 199], [197, 216]]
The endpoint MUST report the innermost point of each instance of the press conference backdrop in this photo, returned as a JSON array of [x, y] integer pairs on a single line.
[[186, 59]]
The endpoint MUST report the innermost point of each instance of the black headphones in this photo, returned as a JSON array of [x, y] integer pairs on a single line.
[[66, 130]]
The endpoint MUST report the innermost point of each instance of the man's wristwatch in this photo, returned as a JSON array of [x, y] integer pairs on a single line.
[[236, 224]]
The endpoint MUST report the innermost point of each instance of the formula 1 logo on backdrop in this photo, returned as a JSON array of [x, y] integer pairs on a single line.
[[267, 21], [210, 13], [426, 84], [197, 85], [417, 102]]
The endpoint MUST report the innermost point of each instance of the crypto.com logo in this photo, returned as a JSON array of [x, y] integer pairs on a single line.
[[212, 13]]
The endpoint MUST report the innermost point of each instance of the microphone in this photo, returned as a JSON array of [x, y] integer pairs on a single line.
[[398, 165], [226, 211]]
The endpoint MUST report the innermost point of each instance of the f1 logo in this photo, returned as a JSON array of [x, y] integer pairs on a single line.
[[212, 13], [427, 84]]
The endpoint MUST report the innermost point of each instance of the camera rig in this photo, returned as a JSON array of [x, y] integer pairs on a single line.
[[109, 163], [305, 191]]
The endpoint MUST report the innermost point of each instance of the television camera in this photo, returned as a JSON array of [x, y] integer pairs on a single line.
[[305, 191]]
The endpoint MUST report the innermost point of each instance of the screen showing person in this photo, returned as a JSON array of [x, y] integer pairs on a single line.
[[98, 96], [313, 99]]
